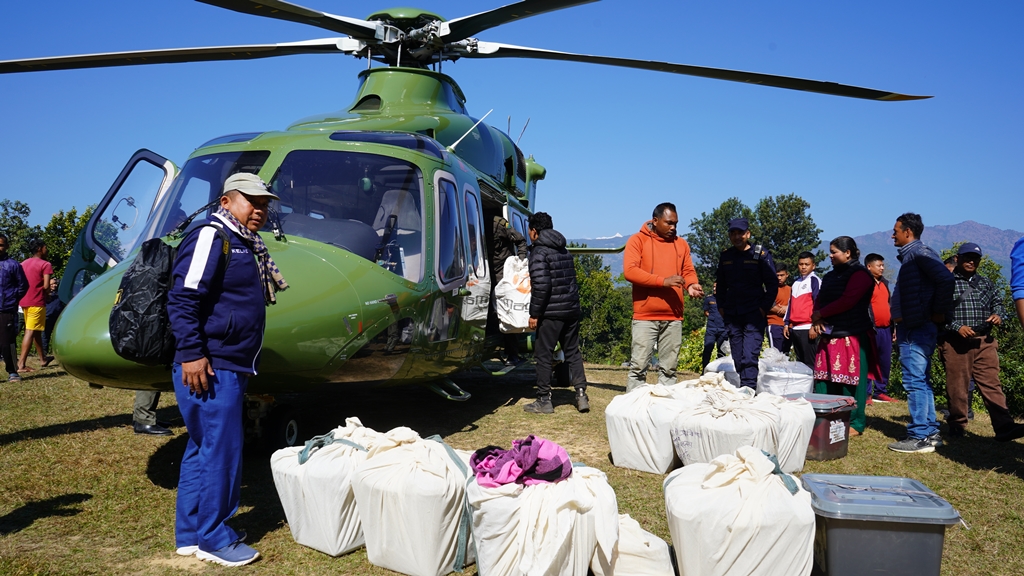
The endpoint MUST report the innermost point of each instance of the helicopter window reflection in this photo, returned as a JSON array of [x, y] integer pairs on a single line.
[[367, 204], [451, 260]]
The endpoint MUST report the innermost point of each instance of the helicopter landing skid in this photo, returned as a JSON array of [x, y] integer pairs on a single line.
[[505, 370], [449, 390]]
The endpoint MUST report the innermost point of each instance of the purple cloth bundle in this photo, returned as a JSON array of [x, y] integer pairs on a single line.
[[532, 460]]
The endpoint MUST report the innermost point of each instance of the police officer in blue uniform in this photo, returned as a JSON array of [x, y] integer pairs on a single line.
[[746, 290]]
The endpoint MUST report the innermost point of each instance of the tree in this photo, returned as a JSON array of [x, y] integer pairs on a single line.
[[607, 311], [60, 234], [14, 223], [786, 228], [709, 237]]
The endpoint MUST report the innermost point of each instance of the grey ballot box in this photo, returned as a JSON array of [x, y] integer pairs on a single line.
[[877, 525]]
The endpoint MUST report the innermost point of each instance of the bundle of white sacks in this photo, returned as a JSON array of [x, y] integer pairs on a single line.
[[655, 428], [418, 508]]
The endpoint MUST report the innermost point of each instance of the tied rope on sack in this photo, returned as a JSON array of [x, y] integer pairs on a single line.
[[746, 463], [270, 275], [532, 460]]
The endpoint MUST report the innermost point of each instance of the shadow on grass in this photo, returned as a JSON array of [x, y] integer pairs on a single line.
[[23, 517], [984, 453], [167, 414]]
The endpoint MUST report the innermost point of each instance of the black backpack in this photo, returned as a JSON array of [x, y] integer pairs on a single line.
[[140, 329]]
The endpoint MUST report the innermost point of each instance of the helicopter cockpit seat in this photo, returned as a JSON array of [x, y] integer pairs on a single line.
[[407, 229]]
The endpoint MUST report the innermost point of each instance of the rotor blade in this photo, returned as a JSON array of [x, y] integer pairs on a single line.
[[467, 26], [173, 55], [495, 50], [281, 10]]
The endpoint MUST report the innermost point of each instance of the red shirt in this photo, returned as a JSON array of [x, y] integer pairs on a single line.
[[34, 269], [880, 305]]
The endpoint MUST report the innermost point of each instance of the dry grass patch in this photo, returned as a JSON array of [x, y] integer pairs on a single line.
[[82, 494]]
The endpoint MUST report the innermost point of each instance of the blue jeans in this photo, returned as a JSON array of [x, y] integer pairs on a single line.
[[916, 346]]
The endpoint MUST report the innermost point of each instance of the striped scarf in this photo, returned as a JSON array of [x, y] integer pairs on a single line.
[[270, 276]]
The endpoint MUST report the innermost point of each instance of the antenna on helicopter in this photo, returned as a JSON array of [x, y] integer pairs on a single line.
[[523, 132], [509, 124], [456, 143]]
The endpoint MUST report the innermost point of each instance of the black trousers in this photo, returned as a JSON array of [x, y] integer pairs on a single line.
[[551, 331], [8, 337], [710, 342], [804, 346]]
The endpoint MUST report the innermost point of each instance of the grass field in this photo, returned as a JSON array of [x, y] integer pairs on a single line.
[[81, 494]]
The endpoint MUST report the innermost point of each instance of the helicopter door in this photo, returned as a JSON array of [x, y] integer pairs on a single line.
[[119, 219]]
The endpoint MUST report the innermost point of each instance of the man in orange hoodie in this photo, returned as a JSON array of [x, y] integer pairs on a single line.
[[658, 263]]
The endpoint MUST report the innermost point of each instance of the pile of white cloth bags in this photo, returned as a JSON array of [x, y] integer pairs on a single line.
[[739, 515], [655, 428], [403, 495], [512, 296]]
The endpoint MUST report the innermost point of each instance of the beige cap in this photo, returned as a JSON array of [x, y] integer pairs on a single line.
[[248, 184]]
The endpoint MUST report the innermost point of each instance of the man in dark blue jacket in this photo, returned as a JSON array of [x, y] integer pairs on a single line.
[[554, 312], [746, 291], [920, 302], [13, 286], [217, 306]]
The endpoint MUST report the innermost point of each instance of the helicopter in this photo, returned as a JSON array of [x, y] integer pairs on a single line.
[[383, 227]]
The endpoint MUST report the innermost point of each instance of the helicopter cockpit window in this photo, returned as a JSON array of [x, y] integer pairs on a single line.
[[451, 259], [200, 183], [367, 204]]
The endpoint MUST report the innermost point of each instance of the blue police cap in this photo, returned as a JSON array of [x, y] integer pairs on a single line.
[[739, 224], [969, 248]]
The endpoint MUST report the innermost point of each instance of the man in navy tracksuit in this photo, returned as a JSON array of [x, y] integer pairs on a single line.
[[217, 306], [747, 287]]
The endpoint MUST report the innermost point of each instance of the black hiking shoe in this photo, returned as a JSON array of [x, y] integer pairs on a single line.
[[542, 405], [582, 401]]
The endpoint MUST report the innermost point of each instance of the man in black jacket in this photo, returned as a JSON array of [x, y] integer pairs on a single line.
[[554, 312]]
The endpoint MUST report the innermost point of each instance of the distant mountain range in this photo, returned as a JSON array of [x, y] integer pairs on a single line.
[[995, 243]]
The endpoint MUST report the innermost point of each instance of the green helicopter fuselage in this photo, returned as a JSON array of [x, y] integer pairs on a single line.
[[383, 232]]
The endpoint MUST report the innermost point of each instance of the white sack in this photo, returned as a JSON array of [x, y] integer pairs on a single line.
[[637, 553], [476, 306], [411, 497], [777, 375], [639, 427], [512, 296], [544, 529], [796, 424], [726, 366], [317, 496], [734, 517], [723, 422]]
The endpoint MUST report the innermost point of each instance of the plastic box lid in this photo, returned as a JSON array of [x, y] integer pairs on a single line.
[[825, 402], [878, 499]]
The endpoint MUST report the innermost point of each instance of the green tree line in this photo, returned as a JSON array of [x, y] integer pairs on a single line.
[[59, 233]]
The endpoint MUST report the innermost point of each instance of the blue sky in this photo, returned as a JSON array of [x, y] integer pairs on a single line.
[[615, 142]]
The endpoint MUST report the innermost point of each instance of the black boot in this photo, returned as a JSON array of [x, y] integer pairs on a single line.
[[582, 401], [542, 405]]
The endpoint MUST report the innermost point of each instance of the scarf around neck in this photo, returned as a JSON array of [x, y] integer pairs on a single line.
[[270, 275]]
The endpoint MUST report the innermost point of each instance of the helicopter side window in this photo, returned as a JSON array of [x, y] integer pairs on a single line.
[[367, 204], [451, 260], [476, 255]]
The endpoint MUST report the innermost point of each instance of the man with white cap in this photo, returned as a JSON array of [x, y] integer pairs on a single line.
[[217, 306], [969, 350]]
